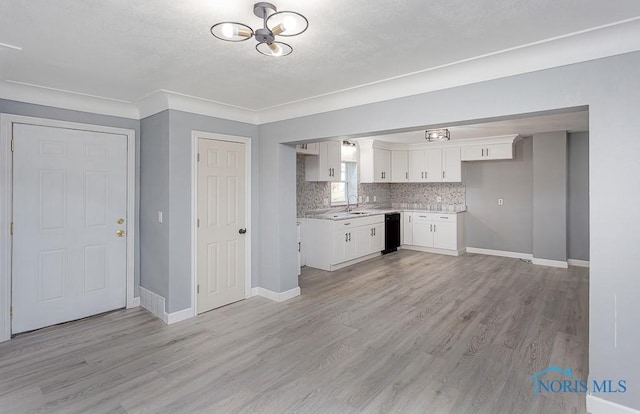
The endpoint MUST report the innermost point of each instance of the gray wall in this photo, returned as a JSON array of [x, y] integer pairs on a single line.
[[507, 227], [166, 186], [154, 197], [48, 112], [578, 197], [611, 90], [550, 196]]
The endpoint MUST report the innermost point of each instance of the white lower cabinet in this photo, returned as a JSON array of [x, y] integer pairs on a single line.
[[331, 245], [442, 232]]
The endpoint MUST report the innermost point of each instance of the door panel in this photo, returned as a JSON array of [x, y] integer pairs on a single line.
[[445, 235], [399, 166], [69, 192], [221, 213], [416, 165], [422, 231], [452, 166]]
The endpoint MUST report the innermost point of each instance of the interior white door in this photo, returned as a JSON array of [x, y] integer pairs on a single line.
[[69, 207], [222, 224]]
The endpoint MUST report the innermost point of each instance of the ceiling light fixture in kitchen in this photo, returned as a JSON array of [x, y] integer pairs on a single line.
[[275, 23], [437, 135]]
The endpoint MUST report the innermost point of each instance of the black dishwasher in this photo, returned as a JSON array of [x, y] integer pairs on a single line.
[[391, 232]]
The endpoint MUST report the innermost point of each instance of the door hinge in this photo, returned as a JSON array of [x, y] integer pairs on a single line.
[[198, 157], [198, 289], [13, 145], [198, 223], [11, 228], [11, 312]]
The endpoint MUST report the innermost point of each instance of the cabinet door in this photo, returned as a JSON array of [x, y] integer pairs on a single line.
[[344, 245], [416, 166], [472, 152], [399, 166], [422, 230], [433, 161], [407, 228], [361, 239], [451, 165], [445, 235], [333, 159], [377, 239], [381, 165], [499, 152]]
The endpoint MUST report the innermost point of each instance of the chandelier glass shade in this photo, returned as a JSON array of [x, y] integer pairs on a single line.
[[437, 135]]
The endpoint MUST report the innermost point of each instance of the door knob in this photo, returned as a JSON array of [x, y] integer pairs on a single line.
[[120, 233], [242, 231]]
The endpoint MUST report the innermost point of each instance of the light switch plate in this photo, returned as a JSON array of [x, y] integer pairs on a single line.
[[160, 219], [326, 202], [500, 201], [439, 199]]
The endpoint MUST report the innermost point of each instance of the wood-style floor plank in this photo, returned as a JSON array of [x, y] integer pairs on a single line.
[[408, 332]]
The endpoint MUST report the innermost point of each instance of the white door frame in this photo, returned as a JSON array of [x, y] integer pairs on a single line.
[[6, 189], [195, 135]]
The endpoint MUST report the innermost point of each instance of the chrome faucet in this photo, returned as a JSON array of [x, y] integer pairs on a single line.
[[349, 205]]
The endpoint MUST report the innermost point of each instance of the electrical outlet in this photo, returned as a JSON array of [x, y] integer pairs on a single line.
[[439, 199], [326, 202], [366, 200], [160, 219], [375, 199], [500, 201], [360, 199]]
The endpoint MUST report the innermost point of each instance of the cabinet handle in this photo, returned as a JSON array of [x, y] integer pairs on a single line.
[[409, 219], [423, 175], [426, 175], [346, 237], [487, 152], [483, 152], [435, 228], [446, 218], [443, 175], [349, 236], [406, 175], [374, 231], [371, 232]]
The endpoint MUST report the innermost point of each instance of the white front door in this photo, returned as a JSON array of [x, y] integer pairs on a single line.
[[222, 224], [69, 206]]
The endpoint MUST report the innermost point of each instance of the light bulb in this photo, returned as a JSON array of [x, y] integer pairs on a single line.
[[276, 50], [228, 30], [289, 23]]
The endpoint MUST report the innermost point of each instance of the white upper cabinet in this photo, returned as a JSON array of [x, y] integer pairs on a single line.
[[417, 166], [451, 165], [326, 165], [399, 166], [435, 165], [495, 148], [308, 149], [375, 164]]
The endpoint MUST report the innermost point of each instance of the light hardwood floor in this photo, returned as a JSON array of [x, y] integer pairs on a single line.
[[408, 333]]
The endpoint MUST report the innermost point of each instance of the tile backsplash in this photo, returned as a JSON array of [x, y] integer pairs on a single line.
[[311, 195]]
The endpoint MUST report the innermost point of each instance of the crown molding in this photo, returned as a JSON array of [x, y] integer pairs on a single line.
[[595, 43], [163, 99], [58, 98]]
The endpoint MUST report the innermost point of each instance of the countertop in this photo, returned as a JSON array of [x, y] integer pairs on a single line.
[[343, 215]]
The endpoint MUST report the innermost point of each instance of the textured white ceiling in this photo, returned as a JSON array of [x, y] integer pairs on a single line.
[[125, 50], [570, 122]]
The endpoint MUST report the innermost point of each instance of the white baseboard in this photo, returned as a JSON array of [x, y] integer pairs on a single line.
[[275, 296], [578, 263], [155, 304], [152, 302], [179, 316], [432, 250], [500, 253], [551, 263], [135, 302], [597, 405]]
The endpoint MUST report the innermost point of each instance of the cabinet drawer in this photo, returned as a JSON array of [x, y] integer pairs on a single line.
[[444, 217], [359, 221]]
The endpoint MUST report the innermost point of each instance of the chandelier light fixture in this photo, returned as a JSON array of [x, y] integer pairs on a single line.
[[275, 23], [437, 135]]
